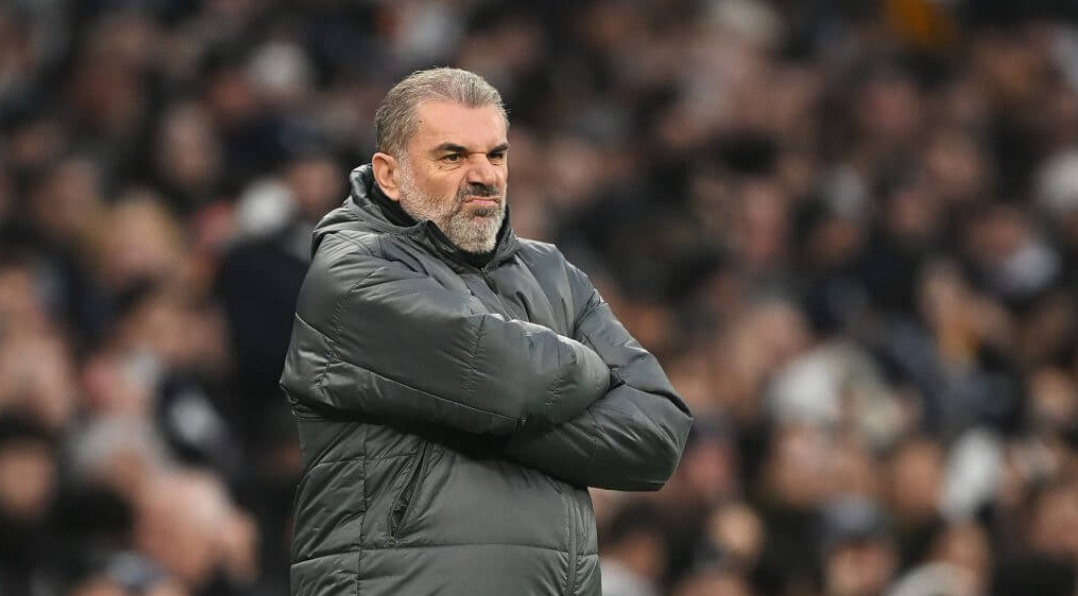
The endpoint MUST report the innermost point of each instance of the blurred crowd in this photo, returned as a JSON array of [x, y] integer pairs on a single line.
[[848, 228]]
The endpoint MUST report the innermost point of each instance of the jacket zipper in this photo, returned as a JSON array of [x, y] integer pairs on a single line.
[[403, 505], [485, 274], [570, 582]]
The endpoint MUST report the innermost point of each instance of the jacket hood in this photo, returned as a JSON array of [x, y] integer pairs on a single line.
[[367, 209]]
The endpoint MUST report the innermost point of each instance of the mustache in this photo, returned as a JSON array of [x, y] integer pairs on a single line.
[[478, 190]]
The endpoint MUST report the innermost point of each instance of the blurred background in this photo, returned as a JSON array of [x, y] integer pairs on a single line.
[[848, 228]]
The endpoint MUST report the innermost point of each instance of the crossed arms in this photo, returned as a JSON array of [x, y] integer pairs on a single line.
[[594, 409]]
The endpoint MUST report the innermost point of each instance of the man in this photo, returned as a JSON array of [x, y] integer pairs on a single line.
[[456, 388]]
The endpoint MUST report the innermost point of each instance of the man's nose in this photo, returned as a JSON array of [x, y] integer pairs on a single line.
[[482, 172]]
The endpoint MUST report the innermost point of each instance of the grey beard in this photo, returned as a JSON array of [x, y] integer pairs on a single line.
[[474, 232]]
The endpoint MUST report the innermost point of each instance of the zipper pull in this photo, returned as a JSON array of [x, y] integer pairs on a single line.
[[485, 273]]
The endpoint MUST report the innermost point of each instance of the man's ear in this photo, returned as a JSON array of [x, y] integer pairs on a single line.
[[386, 172]]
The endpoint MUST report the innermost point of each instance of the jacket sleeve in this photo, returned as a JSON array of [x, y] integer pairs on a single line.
[[373, 338], [630, 439]]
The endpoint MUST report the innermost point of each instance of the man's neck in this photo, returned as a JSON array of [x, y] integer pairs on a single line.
[[393, 210]]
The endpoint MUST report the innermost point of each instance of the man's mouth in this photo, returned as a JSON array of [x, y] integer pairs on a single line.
[[483, 201]]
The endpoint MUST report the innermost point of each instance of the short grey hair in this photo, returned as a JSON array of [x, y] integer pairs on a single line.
[[395, 121]]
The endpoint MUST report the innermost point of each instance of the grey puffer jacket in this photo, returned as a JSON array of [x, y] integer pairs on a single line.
[[451, 416]]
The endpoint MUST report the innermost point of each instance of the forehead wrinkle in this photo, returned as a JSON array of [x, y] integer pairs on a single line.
[[457, 130]]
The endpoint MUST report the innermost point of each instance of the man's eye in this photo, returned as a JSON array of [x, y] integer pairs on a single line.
[[497, 155], [452, 157]]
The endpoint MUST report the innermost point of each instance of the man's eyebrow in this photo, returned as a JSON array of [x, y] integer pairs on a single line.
[[455, 148], [450, 148]]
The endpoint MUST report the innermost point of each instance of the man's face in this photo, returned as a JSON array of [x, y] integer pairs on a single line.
[[455, 172]]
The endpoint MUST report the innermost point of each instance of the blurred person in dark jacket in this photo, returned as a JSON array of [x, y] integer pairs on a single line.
[[457, 388], [260, 277], [914, 487], [632, 555], [797, 481], [28, 478], [859, 558]]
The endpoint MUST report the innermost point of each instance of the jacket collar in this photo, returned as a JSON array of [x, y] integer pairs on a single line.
[[370, 207]]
